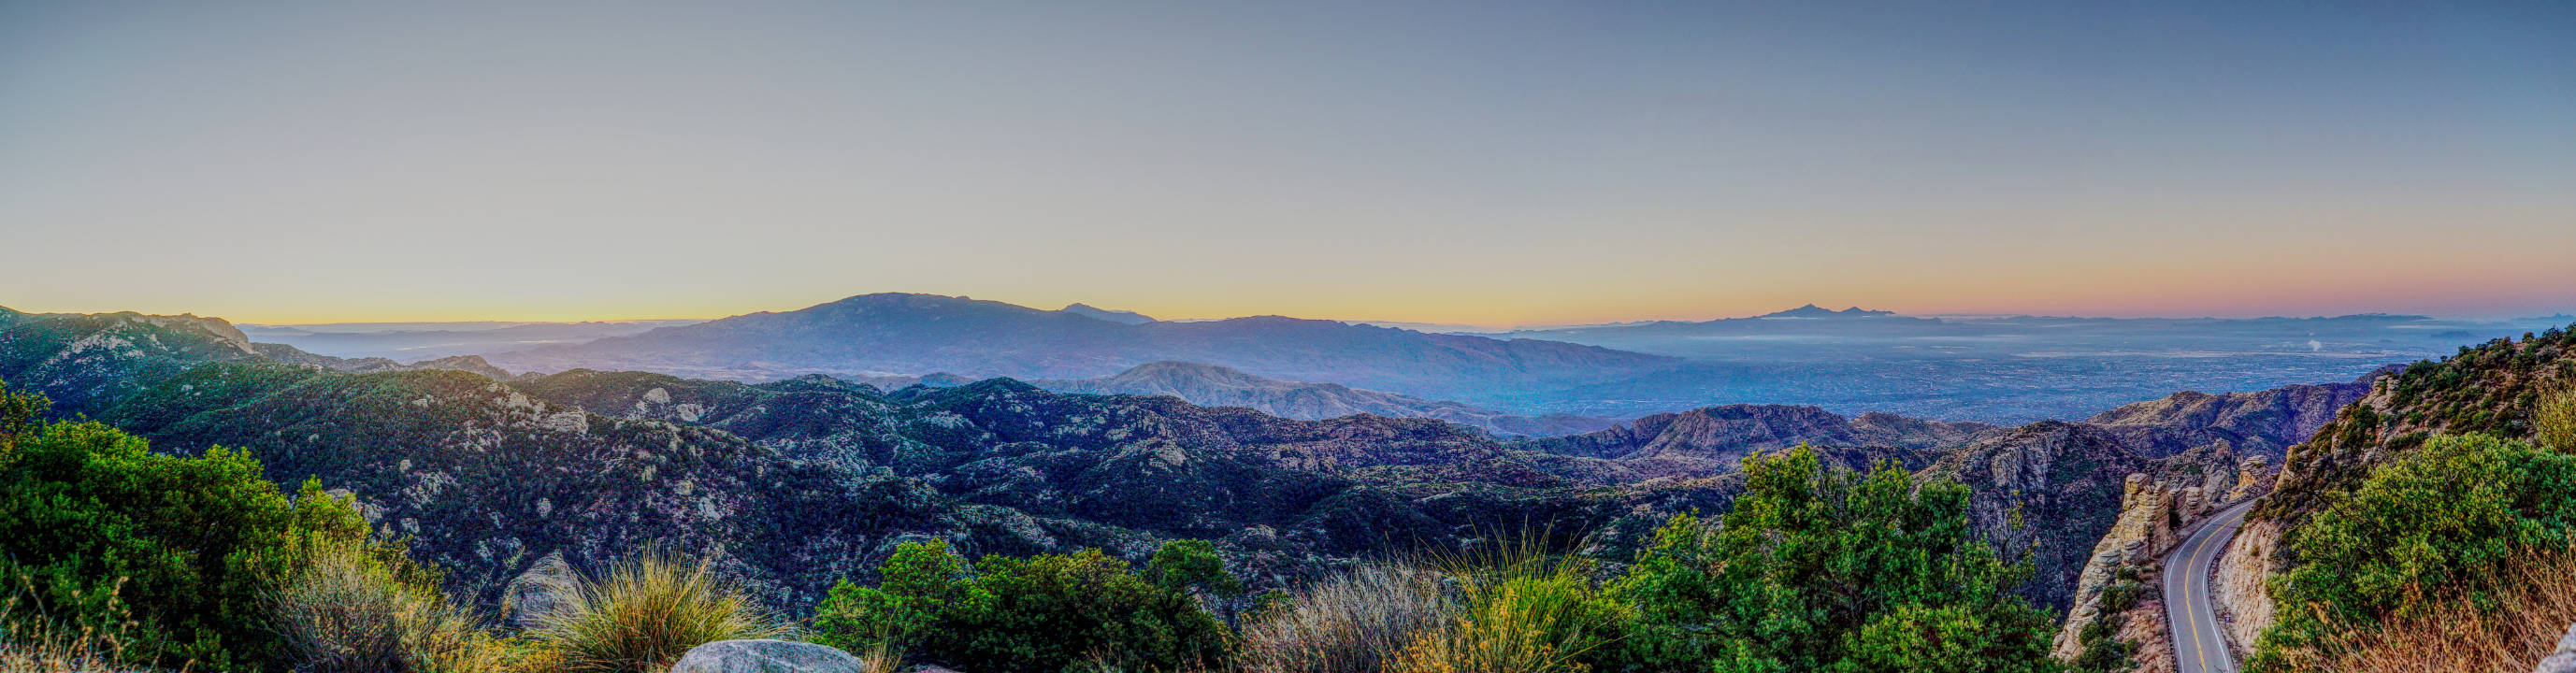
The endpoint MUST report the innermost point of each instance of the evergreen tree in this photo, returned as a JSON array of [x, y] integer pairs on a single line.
[[1817, 569]]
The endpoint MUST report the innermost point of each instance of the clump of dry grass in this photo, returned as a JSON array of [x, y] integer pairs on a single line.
[[39, 645], [1510, 608], [1354, 623], [1520, 610], [2524, 624], [880, 658], [345, 613], [2553, 424], [648, 611]]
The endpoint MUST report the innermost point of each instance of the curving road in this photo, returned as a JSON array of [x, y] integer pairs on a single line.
[[2200, 642]]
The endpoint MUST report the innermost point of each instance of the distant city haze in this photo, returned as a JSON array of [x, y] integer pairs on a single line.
[[1491, 164]]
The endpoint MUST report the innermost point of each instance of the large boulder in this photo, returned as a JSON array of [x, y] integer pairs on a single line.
[[766, 656], [539, 594]]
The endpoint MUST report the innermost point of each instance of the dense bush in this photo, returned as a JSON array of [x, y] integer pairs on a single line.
[[1023, 615], [2435, 525], [90, 517], [1830, 570]]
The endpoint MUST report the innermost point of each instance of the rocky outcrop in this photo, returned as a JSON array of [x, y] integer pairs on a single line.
[[767, 656], [2054, 490], [2253, 479], [542, 593], [2150, 515]]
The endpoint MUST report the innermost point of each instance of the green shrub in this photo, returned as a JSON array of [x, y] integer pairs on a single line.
[[645, 613], [2431, 527], [89, 516], [1045, 613], [1830, 570]]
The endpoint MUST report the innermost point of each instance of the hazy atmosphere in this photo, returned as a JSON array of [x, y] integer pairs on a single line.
[[1485, 163], [1249, 336]]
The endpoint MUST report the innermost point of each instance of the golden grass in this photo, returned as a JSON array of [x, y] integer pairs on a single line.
[[647, 612], [46, 646], [2458, 637], [1353, 623], [2553, 424], [1520, 611], [342, 614], [880, 658]]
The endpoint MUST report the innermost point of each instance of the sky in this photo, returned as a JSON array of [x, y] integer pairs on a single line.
[[1489, 163]]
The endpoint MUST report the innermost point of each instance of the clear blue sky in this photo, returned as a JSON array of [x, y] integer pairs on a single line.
[[1491, 163]]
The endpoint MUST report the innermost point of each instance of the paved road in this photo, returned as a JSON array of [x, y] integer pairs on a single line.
[[2200, 642]]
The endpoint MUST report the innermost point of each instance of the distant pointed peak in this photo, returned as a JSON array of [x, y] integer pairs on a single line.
[[1813, 311]]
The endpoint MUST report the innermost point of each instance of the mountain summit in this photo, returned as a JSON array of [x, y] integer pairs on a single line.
[[1814, 311], [1120, 317]]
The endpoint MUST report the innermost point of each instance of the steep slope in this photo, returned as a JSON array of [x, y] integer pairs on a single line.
[[1211, 385], [2492, 388], [912, 334], [88, 361], [2053, 490]]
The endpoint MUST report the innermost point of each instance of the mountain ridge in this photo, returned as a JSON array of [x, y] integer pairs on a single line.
[[911, 333]]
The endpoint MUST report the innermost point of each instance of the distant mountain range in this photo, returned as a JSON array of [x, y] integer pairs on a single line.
[[911, 334], [1214, 386], [1991, 369], [415, 341]]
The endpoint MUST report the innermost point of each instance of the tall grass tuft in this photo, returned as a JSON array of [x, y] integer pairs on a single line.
[[30, 643], [880, 658], [2553, 423], [648, 611], [346, 612], [1520, 610], [1354, 623], [2536, 605]]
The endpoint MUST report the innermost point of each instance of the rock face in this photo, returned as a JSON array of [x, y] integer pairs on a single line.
[[541, 593], [2242, 589], [2149, 515], [2054, 490], [2564, 659], [766, 656]]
